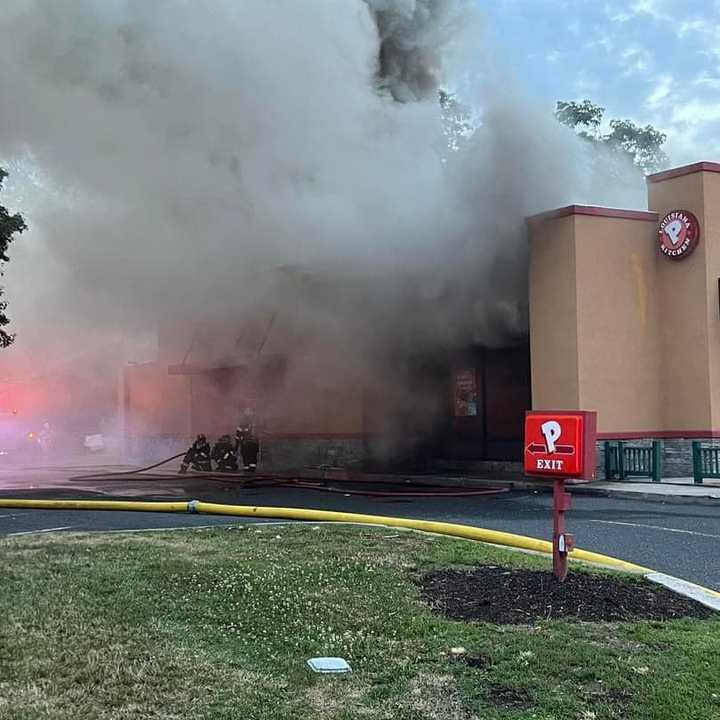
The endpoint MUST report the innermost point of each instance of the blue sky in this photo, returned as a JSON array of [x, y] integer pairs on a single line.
[[652, 61]]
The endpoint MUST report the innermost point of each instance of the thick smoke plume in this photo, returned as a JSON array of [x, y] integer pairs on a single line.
[[170, 156]]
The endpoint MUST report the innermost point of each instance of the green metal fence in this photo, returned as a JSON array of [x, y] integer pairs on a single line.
[[624, 461], [706, 462]]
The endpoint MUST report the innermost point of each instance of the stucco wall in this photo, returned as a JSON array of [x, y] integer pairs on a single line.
[[553, 314], [683, 297], [618, 321], [711, 189], [594, 317]]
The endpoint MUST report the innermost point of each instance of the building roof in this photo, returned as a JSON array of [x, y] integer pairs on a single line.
[[594, 211], [684, 170]]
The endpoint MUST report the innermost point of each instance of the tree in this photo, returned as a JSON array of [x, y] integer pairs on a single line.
[[642, 145], [10, 225], [583, 115]]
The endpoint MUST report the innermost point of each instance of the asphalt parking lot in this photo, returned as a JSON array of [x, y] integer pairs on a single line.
[[679, 539]]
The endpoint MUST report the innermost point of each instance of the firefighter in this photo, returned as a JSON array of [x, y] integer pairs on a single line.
[[44, 438], [225, 454], [198, 456], [249, 444]]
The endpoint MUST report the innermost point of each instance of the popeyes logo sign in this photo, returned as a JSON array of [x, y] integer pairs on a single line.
[[560, 444], [679, 234]]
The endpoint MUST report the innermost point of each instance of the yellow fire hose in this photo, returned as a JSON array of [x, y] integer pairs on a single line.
[[493, 537], [468, 532], [95, 505]]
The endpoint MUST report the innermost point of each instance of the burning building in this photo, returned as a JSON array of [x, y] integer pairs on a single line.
[[623, 320], [325, 393]]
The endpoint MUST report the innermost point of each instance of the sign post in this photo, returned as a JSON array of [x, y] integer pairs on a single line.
[[562, 542], [561, 445]]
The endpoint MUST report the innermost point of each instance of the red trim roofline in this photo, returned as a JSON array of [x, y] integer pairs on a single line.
[[594, 211], [684, 170]]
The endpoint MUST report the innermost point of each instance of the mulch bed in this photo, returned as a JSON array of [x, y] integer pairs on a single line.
[[506, 596]]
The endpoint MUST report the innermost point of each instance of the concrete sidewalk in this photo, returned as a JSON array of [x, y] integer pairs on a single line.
[[679, 490]]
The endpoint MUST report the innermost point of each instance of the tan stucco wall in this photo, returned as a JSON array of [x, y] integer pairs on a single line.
[[644, 329], [711, 227], [553, 314], [594, 319], [618, 320], [711, 220], [683, 296]]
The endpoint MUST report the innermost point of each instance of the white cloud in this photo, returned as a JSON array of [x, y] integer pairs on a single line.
[[636, 61], [691, 126], [660, 93], [606, 42], [585, 84], [705, 79], [618, 16], [574, 27], [652, 8], [697, 25], [696, 112]]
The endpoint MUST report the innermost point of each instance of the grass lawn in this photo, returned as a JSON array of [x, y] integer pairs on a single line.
[[219, 623]]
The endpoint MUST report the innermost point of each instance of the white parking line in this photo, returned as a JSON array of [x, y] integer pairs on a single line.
[[657, 527], [44, 530]]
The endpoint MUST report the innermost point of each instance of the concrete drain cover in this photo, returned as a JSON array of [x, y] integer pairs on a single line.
[[328, 665]]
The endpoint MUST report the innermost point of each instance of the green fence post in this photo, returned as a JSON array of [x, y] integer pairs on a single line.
[[697, 462], [609, 464], [606, 445], [656, 469], [621, 460]]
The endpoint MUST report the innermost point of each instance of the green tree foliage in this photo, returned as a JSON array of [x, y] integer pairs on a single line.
[[642, 145], [10, 225]]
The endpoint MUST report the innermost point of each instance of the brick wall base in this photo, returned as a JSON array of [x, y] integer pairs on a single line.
[[297, 454]]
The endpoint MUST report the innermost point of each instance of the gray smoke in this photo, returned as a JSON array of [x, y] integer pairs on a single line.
[[414, 41], [174, 154]]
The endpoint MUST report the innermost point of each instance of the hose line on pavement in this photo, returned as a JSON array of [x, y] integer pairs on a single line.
[[246, 480], [128, 472]]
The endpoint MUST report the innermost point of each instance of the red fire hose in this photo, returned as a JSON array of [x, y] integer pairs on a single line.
[[264, 481]]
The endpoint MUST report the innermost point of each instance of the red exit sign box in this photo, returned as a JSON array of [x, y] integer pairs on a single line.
[[561, 444]]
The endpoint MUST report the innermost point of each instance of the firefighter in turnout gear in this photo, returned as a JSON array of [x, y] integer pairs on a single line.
[[198, 456], [248, 442], [225, 454]]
